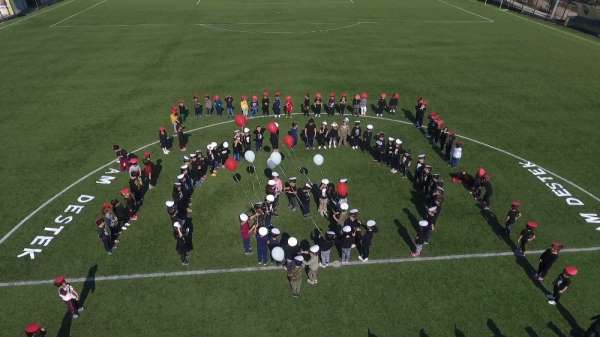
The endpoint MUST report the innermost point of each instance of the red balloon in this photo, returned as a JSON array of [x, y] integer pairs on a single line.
[[289, 141], [342, 189], [241, 120], [231, 164], [272, 128]]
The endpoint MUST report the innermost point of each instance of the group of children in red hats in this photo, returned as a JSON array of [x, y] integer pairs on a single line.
[[117, 214]]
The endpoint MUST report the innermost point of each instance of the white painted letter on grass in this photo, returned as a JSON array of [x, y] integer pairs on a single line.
[[30, 251], [85, 198]]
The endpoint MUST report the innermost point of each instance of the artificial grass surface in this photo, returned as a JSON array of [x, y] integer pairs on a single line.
[[69, 92]]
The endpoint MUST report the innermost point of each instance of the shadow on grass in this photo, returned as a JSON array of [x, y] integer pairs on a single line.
[[404, 235], [413, 219], [89, 285], [458, 332], [65, 326], [494, 328], [530, 271], [531, 332]]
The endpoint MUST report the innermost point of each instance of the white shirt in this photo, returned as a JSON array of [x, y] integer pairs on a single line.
[[457, 152]]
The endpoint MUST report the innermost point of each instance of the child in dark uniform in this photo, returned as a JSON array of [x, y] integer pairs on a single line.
[[547, 259], [420, 109], [355, 135], [229, 105], [218, 105], [258, 137], [356, 105], [306, 105], [304, 196], [277, 106], [197, 106], [181, 137], [512, 216], [163, 138], [331, 104], [366, 139], [527, 235], [561, 284], [265, 103], [317, 105], [393, 104], [366, 240], [342, 104], [381, 104]]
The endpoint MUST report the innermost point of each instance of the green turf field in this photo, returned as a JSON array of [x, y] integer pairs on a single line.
[[83, 75]]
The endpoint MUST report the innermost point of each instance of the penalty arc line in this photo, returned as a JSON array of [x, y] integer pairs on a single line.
[[42, 12], [77, 13], [46, 203], [581, 189], [200, 272]]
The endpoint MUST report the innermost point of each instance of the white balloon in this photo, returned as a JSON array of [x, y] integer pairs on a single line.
[[271, 164], [249, 156], [276, 158], [278, 254], [318, 159]]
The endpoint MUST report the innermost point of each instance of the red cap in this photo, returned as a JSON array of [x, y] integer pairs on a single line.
[[125, 191], [174, 109], [532, 224], [265, 93], [571, 270], [364, 95], [481, 172], [106, 205], [147, 154], [59, 280], [33, 328], [433, 113], [244, 98], [216, 97], [133, 160], [254, 98], [162, 128], [515, 204]]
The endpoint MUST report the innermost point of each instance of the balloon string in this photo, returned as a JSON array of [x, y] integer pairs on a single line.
[[299, 201]]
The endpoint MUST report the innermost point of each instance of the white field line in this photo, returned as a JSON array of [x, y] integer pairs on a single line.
[[466, 11], [46, 203], [199, 272], [77, 13], [508, 154], [548, 26], [215, 26], [41, 12]]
